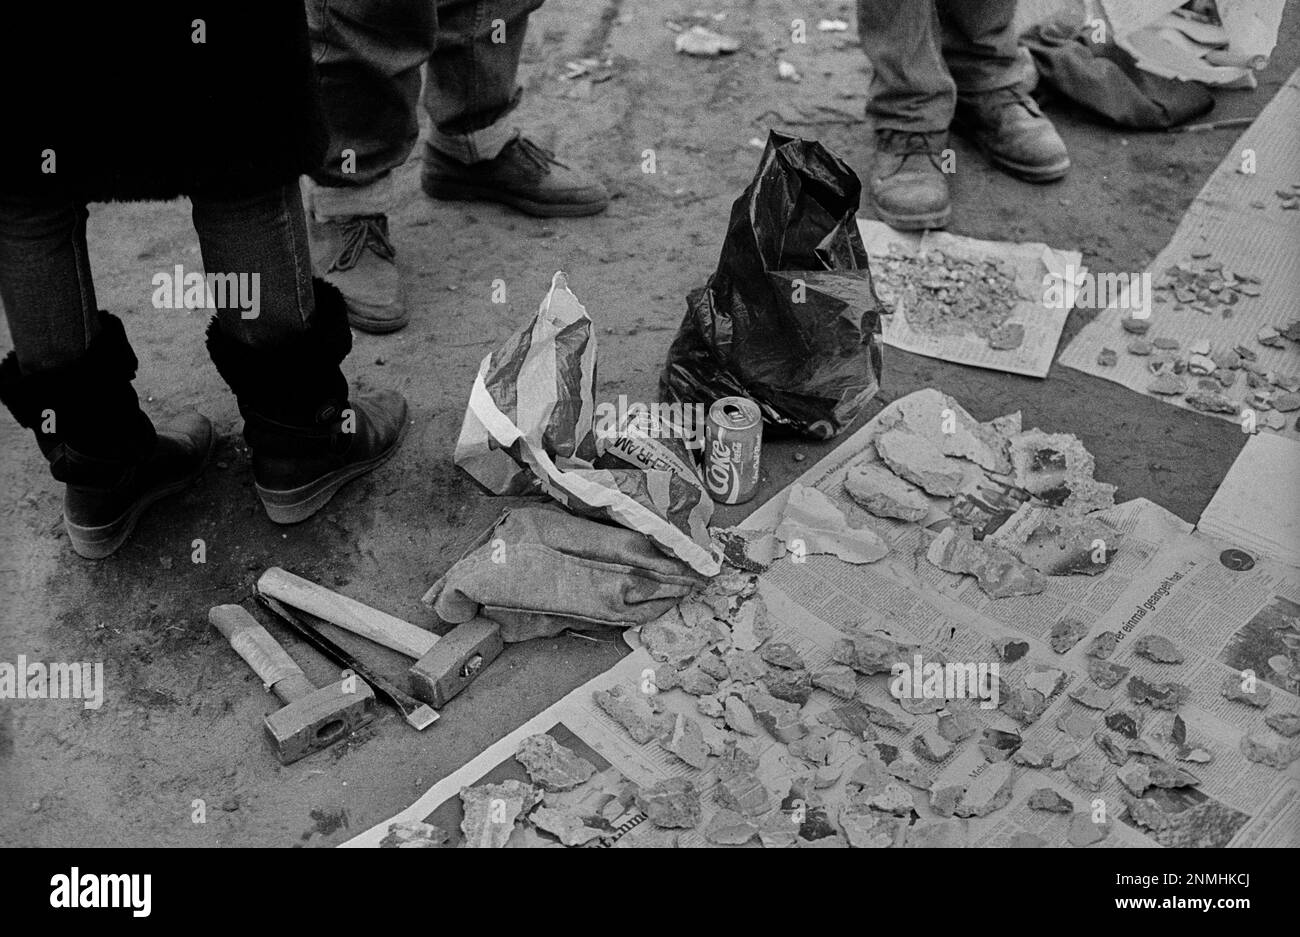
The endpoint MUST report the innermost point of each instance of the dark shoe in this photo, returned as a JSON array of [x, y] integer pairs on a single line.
[[523, 175], [1012, 132], [99, 516], [307, 439], [908, 187], [355, 255], [87, 420]]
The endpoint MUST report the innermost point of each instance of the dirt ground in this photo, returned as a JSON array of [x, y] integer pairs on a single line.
[[180, 722]]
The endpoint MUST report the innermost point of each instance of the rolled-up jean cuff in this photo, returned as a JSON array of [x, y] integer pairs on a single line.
[[474, 146], [324, 202]]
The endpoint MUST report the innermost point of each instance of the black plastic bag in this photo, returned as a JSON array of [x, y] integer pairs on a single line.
[[790, 318]]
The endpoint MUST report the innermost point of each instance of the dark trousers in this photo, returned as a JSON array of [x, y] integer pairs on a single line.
[[49, 293], [369, 55], [923, 52]]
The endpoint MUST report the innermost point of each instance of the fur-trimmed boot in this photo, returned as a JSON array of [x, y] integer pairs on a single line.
[[87, 420], [307, 438]]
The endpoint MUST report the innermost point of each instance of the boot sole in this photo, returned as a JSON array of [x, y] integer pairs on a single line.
[[464, 192], [1022, 171], [97, 543], [376, 326], [938, 219], [294, 505]]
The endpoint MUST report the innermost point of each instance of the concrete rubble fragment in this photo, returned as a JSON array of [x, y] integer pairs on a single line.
[[669, 639], [710, 706], [851, 718], [944, 800], [1026, 840], [884, 494], [870, 653], [1065, 753], [1022, 704], [1114, 754], [1157, 648], [1010, 650], [778, 831], [1276, 752], [1127, 722], [919, 461], [414, 834], [1066, 633], [1076, 724], [1102, 645], [1235, 688], [1087, 695], [885, 718], [998, 572], [937, 834], [686, 741], [814, 747], [1167, 385], [780, 654], [948, 425], [565, 825], [866, 829], [1285, 724], [1032, 754], [1056, 542], [931, 746], [988, 792], [779, 718], [1059, 470], [838, 680], [1086, 773], [552, 766], [738, 716], [638, 714], [812, 524], [957, 725], [750, 625], [1045, 680], [1105, 674], [1107, 357], [728, 828], [1165, 775], [793, 686], [744, 793], [1085, 832], [1046, 799], [1169, 695], [744, 666], [1135, 776], [1211, 402], [491, 810], [910, 771]]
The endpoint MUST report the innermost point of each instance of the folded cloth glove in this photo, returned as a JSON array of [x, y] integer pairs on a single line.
[[540, 570]]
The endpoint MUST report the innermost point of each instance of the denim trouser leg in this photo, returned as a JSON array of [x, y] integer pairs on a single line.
[[45, 281], [49, 295], [923, 51], [472, 81], [265, 236]]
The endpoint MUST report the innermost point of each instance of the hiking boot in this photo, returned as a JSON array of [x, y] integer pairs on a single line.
[[354, 254], [523, 175], [87, 421], [307, 438], [908, 188], [1012, 132]]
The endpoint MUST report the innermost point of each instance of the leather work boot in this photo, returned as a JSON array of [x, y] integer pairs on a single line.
[[354, 254], [523, 175], [87, 421], [908, 188], [307, 437], [1012, 132]]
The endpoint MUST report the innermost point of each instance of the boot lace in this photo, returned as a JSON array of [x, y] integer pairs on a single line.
[[363, 231], [539, 156]]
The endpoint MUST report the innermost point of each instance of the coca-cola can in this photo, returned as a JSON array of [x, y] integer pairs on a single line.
[[733, 444]]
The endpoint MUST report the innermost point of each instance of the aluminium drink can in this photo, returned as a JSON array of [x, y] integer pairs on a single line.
[[733, 435]]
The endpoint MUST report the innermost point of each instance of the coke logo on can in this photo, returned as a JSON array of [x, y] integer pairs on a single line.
[[722, 475], [734, 431]]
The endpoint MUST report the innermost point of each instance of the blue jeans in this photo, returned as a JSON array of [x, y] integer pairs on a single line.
[[923, 52], [49, 293], [369, 55]]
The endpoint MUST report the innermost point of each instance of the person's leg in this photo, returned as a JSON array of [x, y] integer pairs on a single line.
[[471, 88], [368, 56], [280, 348], [68, 380], [910, 103], [993, 107]]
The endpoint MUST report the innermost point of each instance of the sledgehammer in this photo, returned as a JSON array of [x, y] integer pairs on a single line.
[[443, 665], [312, 718]]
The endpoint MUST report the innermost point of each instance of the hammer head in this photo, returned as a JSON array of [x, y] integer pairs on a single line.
[[320, 718], [454, 661]]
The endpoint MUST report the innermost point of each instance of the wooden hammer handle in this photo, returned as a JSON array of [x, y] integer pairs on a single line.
[[349, 614], [255, 645]]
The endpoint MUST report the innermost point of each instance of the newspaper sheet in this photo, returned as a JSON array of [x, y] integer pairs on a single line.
[[1239, 221], [1257, 507], [1227, 613], [1031, 263]]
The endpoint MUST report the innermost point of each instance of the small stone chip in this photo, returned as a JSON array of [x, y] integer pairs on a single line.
[[1167, 385], [780, 654], [728, 828], [1108, 357], [1287, 724], [1066, 634], [1050, 801], [1134, 325], [1141, 347], [1084, 832], [1233, 689], [1159, 695], [1007, 337], [931, 746], [838, 680], [1157, 648], [1106, 674], [672, 803], [1087, 774], [1103, 645]]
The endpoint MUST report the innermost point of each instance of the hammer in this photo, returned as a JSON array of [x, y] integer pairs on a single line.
[[443, 665], [311, 719]]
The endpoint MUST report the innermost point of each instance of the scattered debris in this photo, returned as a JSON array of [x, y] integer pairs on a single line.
[[1090, 696], [867, 829], [1006, 337], [1085, 832], [932, 746], [1157, 648], [1032, 755], [1059, 470], [1127, 723], [787, 72], [1066, 634], [1024, 840], [728, 828], [705, 43], [739, 717], [1103, 645], [869, 653], [1275, 754], [1010, 650], [565, 825], [1044, 798], [1159, 695], [1107, 357], [1087, 774], [957, 725], [780, 654], [744, 793], [920, 461], [1286, 724], [491, 811], [686, 741], [1075, 724], [812, 524], [793, 686], [1114, 754], [634, 712], [999, 745], [999, 574], [1105, 674], [551, 766], [940, 294], [838, 680], [884, 494], [414, 834], [1258, 696], [990, 791]]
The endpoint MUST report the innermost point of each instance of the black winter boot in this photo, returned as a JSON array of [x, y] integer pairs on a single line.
[[87, 420], [307, 439]]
